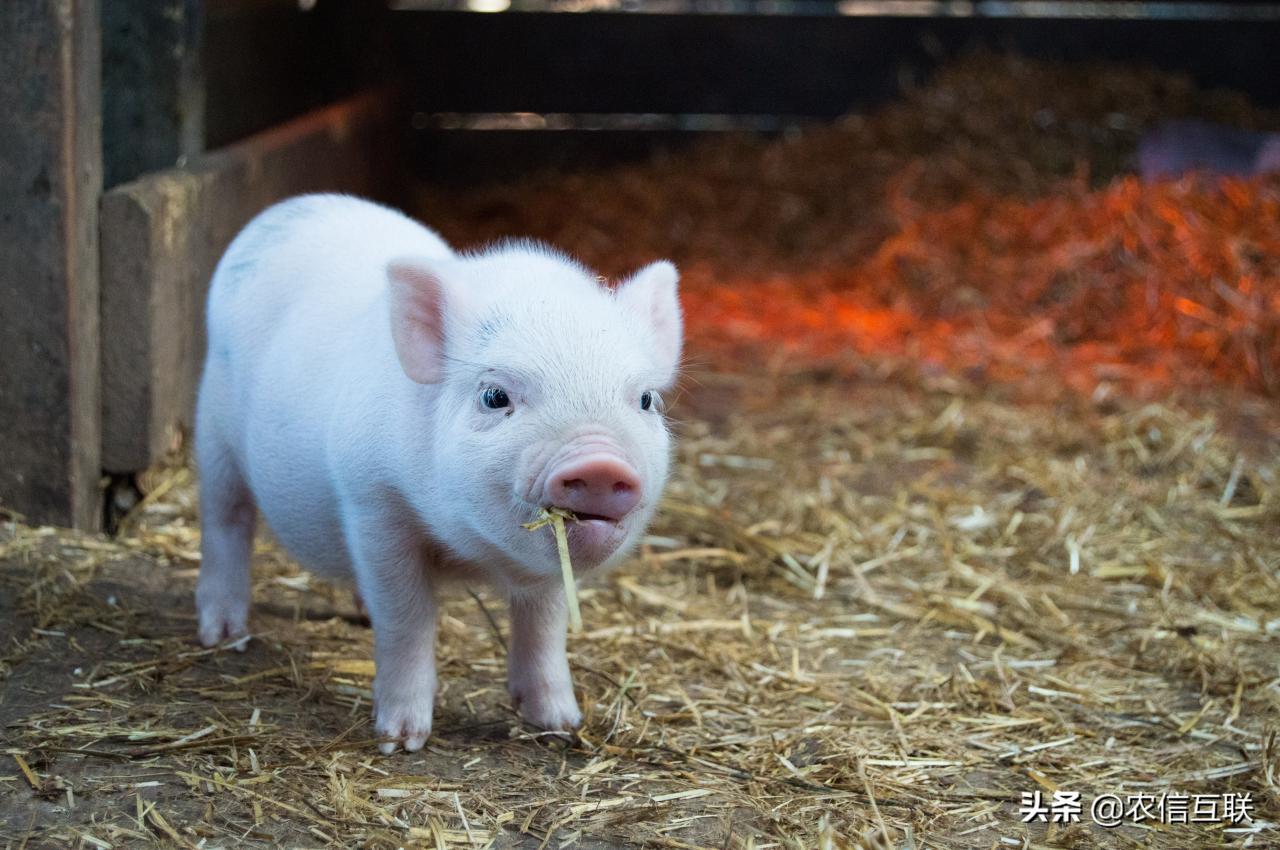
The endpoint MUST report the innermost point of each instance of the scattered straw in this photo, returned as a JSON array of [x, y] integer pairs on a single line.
[[953, 662]]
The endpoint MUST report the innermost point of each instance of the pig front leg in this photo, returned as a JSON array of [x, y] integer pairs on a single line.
[[391, 575], [537, 668]]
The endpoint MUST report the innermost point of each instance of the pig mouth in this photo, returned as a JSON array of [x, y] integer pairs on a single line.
[[593, 538], [576, 517], [581, 517]]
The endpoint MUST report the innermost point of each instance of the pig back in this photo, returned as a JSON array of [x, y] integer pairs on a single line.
[[297, 316]]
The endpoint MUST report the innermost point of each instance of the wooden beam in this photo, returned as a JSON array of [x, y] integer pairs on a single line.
[[820, 67], [162, 236], [50, 182]]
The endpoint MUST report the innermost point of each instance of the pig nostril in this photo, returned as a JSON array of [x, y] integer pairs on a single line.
[[596, 487]]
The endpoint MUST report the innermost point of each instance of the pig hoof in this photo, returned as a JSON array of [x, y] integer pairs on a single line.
[[404, 725], [224, 622], [550, 710]]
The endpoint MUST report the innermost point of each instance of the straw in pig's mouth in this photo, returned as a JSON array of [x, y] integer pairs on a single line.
[[555, 517]]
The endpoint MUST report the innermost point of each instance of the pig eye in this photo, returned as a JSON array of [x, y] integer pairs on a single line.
[[495, 398], [650, 400]]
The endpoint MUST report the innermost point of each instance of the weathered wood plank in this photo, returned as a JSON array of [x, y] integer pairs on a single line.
[[50, 181], [162, 236]]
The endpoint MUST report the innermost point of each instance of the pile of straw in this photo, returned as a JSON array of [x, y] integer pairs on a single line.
[[986, 224]]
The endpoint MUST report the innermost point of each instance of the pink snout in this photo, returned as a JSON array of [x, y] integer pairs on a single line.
[[599, 486]]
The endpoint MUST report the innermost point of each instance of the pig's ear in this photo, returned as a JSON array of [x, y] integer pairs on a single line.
[[420, 300], [651, 294]]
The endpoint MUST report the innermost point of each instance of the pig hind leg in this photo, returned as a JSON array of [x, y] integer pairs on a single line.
[[228, 516]]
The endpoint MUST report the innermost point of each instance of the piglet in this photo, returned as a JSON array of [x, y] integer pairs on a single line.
[[1176, 147], [397, 411]]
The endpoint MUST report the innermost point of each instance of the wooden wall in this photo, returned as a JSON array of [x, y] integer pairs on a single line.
[[50, 181]]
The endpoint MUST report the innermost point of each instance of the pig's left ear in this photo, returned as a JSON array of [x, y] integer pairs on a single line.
[[651, 294], [422, 298]]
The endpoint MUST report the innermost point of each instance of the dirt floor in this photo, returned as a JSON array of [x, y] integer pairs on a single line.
[[892, 590], [867, 603]]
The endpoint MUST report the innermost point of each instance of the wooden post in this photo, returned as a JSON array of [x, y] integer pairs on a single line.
[[50, 182], [162, 235]]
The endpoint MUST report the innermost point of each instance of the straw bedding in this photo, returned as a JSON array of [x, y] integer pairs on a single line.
[[886, 597]]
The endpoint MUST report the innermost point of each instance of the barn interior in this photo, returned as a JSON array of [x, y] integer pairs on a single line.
[[975, 499]]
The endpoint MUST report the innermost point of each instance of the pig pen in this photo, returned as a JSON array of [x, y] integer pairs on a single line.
[[975, 497]]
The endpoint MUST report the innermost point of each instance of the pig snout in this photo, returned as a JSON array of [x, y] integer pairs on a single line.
[[593, 477], [597, 486]]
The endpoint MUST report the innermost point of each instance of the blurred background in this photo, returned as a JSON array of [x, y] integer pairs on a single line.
[[949, 181], [799, 146]]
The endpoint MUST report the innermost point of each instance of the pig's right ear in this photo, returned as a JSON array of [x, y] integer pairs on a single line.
[[420, 300]]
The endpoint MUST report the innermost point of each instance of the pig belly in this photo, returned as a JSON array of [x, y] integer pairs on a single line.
[[285, 450], [303, 515]]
